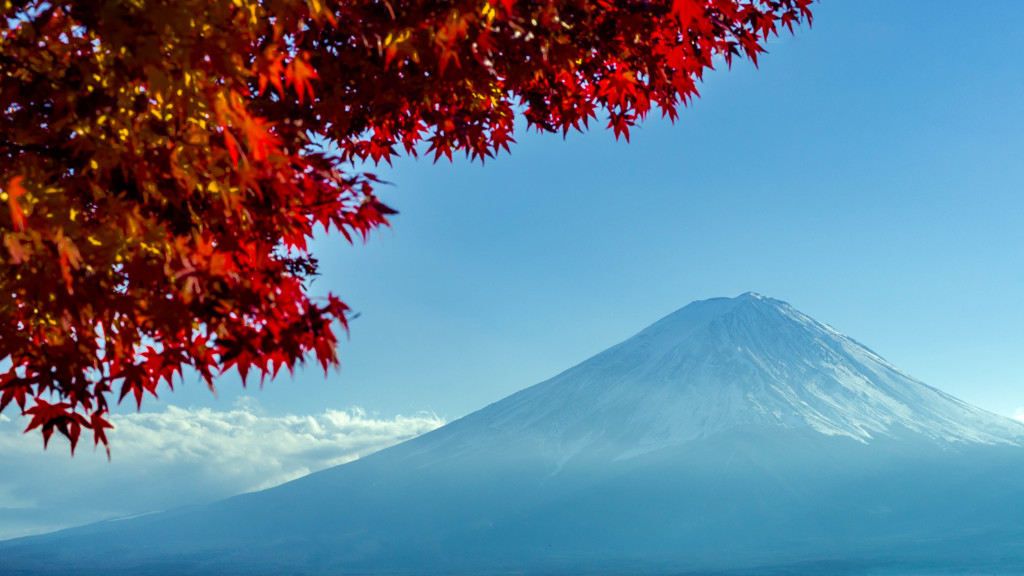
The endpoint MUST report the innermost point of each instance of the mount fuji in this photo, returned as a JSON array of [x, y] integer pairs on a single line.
[[734, 436]]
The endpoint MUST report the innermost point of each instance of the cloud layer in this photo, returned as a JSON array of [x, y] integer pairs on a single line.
[[179, 457]]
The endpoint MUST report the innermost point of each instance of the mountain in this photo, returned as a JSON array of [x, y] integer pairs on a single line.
[[733, 436], [723, 363]]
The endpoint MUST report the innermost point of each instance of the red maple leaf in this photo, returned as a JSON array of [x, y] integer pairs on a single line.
[[59, 416]]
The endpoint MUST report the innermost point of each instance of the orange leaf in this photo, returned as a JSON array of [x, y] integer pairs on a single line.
[[299, 73], [15, 191], [70, 259], [232, 144], [270, 66]]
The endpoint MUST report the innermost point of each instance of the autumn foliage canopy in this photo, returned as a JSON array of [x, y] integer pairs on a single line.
[[163, 163]]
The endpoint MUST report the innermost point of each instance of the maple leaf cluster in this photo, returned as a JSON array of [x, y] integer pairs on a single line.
[[163, 163]]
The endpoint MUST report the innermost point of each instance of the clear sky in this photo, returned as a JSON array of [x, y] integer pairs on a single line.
[[869, 173]]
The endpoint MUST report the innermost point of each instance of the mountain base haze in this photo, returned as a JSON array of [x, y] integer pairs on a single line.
[[733, 436]]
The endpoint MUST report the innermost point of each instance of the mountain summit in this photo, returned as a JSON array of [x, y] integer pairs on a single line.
[[721, 363], [734, 435]]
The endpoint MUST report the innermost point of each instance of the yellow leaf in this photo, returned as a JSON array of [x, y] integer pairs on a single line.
[[488, 12]]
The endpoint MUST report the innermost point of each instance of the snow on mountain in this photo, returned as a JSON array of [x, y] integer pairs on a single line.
[[722, 363]]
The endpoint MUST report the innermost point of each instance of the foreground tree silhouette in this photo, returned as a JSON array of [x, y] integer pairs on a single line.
[[163, 163]]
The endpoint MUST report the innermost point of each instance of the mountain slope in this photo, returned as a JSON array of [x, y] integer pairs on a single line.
[[724, 362], [734, 433]]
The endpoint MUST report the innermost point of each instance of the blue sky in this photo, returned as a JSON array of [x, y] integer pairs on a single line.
[[869, 173]]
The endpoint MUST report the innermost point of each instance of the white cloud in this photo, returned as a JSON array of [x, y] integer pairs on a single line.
[[1019, 414], [178, 457]]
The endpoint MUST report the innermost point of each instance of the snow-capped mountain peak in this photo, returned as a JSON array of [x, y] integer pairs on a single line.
[[723, 363]]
